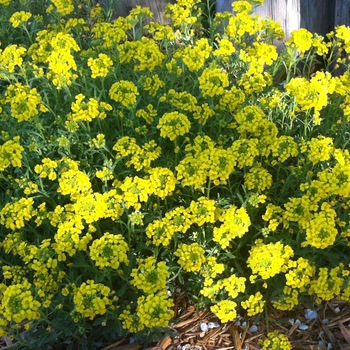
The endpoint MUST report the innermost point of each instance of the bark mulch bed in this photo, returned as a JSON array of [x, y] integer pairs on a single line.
[[201, 330]]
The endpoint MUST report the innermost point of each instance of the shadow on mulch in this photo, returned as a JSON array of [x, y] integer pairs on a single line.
[[329, 330]]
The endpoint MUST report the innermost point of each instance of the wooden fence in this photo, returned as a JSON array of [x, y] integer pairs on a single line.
[[318, 16]]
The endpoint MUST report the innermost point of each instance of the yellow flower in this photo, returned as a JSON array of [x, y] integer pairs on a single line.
[[328, 283], [299, 274], [74, 183], [18, 303], [258, 179], [320, 230], [162, 181], [100, 66], [91, 299], [64, 7], [109, 251], [300, 39], [191, 256], [276, 341], [11, 154], [154, 310], [23, 100], [235, 223], [254, 304], [124, 92], [145, 53], [14, 214], [233, 285], [320, 149], [173, 124], [267, 260], [213, 81], [130, 320], [149, 275], [211, 268], [161, 232], [19, 18], [288, 300], [225, 310], [91, 207]]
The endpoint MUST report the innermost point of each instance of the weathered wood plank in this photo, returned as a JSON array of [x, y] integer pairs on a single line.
[[342, 12], [156, 6], [317, 16]]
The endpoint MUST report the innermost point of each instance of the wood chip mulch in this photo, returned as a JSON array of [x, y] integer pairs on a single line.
[[201, 330]]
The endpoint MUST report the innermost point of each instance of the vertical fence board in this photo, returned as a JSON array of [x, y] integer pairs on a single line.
[[317, 16], [342, 12], [156, 6]]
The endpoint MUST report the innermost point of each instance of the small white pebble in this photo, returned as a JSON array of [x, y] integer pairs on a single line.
[[329, 346], [213, 325], [244, 324], [337, 309], [321, 342], [204, 327], [325, 321], [310, 314], [253, 328], [131, 340], [291, 321], [303, 326]]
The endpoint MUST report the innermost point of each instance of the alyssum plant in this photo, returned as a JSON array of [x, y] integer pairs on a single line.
[[137, 158]]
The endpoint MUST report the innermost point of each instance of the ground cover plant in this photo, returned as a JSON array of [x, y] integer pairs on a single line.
[[138, 159]]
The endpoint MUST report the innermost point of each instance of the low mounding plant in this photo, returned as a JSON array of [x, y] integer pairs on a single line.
[[140, 158]]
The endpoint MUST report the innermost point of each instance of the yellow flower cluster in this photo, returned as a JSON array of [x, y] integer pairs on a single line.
[[267, 260], [10, 58], [18, 303], [195, 57], [74, 182], [173, 124], [100, 66], [300, 274], [225, 310], [213, 81], [288, 300], [154, 310], [276, 341], [254, 304], [124, 92], [14, 214], [91, 299], [64, 7], [19, 18], [109, 35], [141, 157], [235, 223], [87, 111], [181, 13], [144, 52], [109, 251], [60, 59], [24, 101], [149, 275], [191, 256], [313, 93], [328, 283], [11, 153]]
